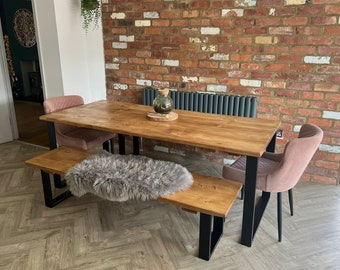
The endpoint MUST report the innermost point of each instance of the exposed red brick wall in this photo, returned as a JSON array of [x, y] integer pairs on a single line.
[[285, 52]]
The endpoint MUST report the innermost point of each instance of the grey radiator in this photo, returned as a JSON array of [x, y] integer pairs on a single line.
[[209, 103]]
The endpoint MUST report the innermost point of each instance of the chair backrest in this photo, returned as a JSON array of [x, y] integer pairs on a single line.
[[296, 157], [59, 103]]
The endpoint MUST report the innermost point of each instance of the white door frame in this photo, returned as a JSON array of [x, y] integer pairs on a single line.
[[8, 122]]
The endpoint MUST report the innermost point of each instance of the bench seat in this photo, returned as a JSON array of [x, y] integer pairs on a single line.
[[212, 197]]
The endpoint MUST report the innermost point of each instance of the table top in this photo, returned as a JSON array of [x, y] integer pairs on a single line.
[[232, 134]]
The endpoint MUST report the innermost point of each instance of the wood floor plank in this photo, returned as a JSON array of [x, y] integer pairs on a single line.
[[91, 233]]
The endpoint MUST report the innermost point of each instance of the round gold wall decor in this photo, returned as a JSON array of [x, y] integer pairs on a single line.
[[23, 26]]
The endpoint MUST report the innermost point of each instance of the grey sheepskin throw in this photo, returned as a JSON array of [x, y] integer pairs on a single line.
[[126, 177]]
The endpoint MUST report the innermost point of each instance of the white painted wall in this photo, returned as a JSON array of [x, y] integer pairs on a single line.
[[72, 62], [8, 130]]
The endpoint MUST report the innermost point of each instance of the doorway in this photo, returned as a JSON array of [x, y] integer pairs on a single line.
[[24, 70]]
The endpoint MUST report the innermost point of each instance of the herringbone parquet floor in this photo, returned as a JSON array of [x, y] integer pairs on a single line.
[[91, 233]]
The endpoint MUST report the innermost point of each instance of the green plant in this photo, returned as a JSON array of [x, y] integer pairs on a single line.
[[91, 13]]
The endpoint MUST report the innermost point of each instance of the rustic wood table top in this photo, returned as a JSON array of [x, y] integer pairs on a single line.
[[232, 134]]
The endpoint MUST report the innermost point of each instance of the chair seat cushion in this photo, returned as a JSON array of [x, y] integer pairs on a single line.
[[266, 166]]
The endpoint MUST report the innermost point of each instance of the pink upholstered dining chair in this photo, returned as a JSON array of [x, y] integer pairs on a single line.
[[279, 172], [67, 135]]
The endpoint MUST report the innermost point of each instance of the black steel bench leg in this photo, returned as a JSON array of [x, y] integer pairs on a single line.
[[48, 195], [208, 239]]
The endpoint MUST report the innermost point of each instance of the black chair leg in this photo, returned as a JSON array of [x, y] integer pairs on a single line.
[[290, 195], [106, 146], [242, 193], [109, 146], [279, 215]]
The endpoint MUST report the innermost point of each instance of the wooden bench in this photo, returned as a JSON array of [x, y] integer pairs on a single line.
[[210, 196]]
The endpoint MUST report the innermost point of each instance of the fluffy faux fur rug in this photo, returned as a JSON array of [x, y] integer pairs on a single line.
[[121, 178]]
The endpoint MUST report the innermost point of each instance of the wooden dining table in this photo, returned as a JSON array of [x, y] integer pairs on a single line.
[[250, 137]]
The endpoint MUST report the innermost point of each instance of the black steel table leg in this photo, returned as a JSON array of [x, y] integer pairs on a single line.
[[251, 215], [271, 145], [121, 142], [249, 202], [51, 135], [135, 145]]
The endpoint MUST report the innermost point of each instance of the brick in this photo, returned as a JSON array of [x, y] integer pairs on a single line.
[[276, 67], [160, 23], [310, 10], [245, 3], [208, 64], [269, 21], [295, 21], [220, 57], [309, 113], [120, 86], [220, 22], [209, 48], [281, 30], [330, 148], [321, 40], [328, 105], [251, 83], [199, 4], [276, 49], [332, 10], [312, 95], [210, 30], [256, 31], [301, 86], [324, 20], [242, 40], [326, 87], [301, 68], [331, 115], [238, 12], [328, 50], [331, 30], [217, 88], [290, 58], [143, 82], [237, 74], [241, 57], [294, 2], [153, 31], [142, 23], [190, 14], [150, 15], [266, 40], [111, 66], [251, 66], [309, 30], [271, 84], [118, 16], [119, 45], [244, 21], [124, 38], [303, 50]]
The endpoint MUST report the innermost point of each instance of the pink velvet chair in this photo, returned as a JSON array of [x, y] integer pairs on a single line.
[[278, 172], [83, 138]]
